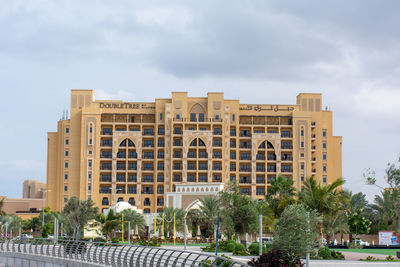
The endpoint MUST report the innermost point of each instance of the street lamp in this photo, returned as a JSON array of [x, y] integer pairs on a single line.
[[44, 203]]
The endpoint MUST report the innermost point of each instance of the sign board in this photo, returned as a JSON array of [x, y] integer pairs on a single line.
[[388, 238]]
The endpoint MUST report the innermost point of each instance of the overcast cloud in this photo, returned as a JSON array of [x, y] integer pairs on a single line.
[[255, 51]]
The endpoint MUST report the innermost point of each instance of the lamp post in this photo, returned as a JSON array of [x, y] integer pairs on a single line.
[[44, 203]]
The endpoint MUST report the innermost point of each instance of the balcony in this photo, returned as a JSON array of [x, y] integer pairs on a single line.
[[147, 179], [244, 169], [260, 169], [105, 191], [244, 180]]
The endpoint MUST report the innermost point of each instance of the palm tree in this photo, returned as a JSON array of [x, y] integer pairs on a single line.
[[2, 212], [210, 207], [384, 209], [280, 195], [109, 223], [335, 223], [323, 198], [195, 218], [135, 219], [169, 220]]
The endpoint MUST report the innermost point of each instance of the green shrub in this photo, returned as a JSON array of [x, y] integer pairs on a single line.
[[114, 240], [370, 258], [230, 247], [277, 258], [389, 258], [209, 263], [240, 250], [254, 248], [325, 253], [337, 255]]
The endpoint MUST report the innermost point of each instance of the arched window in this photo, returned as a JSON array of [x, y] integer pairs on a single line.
[[104, 201], [123, 143], [146, 202], [132, 201], [120, 199]]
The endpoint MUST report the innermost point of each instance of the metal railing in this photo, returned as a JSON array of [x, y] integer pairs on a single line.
[[108, 254]]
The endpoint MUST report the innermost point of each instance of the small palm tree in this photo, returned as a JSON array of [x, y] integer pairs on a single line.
[[169, 220], [280, 195], [109, 223], [209, 208], [195, 218], [323, 198], [2, 212], [135, 219]]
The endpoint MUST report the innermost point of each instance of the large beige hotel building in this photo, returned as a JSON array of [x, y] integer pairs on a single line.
[[113, 151]]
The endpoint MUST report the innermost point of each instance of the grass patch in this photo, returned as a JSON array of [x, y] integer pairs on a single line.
[[370, 251]]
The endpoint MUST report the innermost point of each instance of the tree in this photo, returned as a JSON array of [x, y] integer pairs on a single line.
[[169, 220], [2, 212], [195, 218], [239, 214], [392, 178], [335, 223], [135, 219], [326, 199], [383, 211], [296, 230], [210, 208], [77, 213], [109, 223], [280, 195], [33, 224], [358, 224]]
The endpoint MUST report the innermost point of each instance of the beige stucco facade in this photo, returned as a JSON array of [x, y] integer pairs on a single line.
[[33, 189], [111, 151]]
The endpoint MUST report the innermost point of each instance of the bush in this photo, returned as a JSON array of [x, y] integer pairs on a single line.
[[230, 247], [325, 253], [240, 250], [114, 240], [151, 243], [219, 262], [254, 248], [337, 255], [277, 258], [370, 258], [389, 258]]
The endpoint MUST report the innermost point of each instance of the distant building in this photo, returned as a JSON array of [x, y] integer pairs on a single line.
[[173, 151], [33, 189], [25, 208]]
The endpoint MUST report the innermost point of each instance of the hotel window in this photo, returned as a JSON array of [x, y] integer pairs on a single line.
[[201, 117], [90, 164], [323, 133], [131, 201], [324, 180], [202, 178], [66, 176], [301, 155], [90, 129], [160, 116], [302, 178], [67, 130], [324, 156], [178, 116], [302, 144], [66, 165], [65, 200], [232, 178], [160, 178], [217, 117], [90, 152], [302, 132], [324, 168], [65, 188], [104, 201], [89, 188], [192, 117], [66, 141], [302, 166], [161, 131], [203, 129], [120, 199], [66, 153], [90, 141], [191, 178], [324, 145], [89, 176], [233, 117], [132, 119]]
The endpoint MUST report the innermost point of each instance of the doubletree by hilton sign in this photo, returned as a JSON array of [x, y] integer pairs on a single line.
[[126, 105]]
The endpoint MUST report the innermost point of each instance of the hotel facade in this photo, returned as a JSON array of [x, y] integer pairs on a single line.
[[172, 151]]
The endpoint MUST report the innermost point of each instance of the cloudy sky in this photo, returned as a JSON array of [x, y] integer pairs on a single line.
[[255, 51]]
